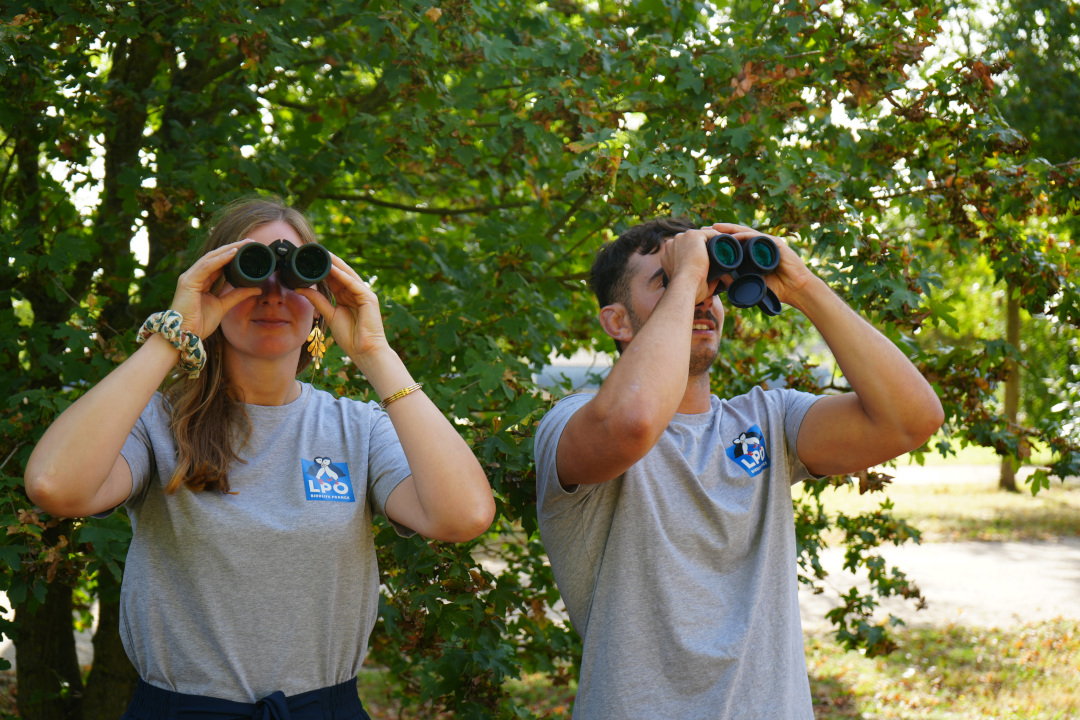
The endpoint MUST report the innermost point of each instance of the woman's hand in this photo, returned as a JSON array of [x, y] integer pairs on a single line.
[[202, 310], [447, 496], [356, 320]]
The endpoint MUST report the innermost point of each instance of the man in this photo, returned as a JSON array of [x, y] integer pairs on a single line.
[[666, 511]]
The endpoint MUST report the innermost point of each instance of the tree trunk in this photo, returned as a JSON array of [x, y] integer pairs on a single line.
[[111, 683], [46, 667], [1007, 481]]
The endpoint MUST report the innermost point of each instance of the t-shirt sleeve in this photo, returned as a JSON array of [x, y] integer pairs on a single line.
[[796, 404], [138, 451], [139, 455], [387, 465], [550, 494]]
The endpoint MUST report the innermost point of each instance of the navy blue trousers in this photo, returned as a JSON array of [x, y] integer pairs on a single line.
[[337, 702]]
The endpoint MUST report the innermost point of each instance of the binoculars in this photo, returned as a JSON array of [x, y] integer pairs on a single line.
[[300, 266], [747, 262]]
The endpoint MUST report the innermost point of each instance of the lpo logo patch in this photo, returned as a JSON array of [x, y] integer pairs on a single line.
[[327, 480], [748, 450]]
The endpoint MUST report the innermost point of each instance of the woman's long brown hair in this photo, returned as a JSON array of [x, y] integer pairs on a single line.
[[208, 421]]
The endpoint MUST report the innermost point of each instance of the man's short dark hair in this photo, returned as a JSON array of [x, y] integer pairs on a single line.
[[608, 278]]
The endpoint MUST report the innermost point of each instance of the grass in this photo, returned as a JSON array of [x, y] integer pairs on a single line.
[[535, 692], [950, 673], [974, 455], [952, 509], [960, 511], [953, 673]]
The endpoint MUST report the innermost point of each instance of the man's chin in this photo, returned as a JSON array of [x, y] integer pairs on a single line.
[[701, 361]]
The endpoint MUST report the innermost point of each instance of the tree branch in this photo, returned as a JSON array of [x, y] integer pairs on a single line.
[[425, 210], [550, 266], [194, 77], [4, 176], [568, 214]]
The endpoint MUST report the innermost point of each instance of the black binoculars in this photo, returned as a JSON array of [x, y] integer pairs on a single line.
[[747, 261], [300, 266]]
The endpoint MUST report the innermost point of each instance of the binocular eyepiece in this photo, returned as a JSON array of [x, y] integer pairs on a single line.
[[747, 261], [300, 266]]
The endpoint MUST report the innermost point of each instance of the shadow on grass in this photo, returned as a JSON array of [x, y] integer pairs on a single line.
[[1049, 520], [958, 660], [834, 699], [956, 672], [959, 512]]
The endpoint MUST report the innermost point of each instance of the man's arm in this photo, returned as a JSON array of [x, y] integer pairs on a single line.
[[643, 390], [891, 410]]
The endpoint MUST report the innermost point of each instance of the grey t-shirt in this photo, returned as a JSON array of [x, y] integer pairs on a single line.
[[274, 587], [680, 575]]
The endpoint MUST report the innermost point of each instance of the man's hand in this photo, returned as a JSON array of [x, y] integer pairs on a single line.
[[790, 278], [686, 253]]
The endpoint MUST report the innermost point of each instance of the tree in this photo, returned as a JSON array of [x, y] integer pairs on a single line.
[[468, 157], [1037, 44], [1042, 42]]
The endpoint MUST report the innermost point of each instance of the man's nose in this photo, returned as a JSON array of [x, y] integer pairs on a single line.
[[707, 303]]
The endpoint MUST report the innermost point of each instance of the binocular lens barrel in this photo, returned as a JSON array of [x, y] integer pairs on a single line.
[[253, 263], [764, 253], [300, 266], [306, 265], [725, 253], [309, 262], [756, 255], [747, 262]]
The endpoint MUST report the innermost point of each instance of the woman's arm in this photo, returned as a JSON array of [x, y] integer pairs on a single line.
[[447, 497], [76, 468]]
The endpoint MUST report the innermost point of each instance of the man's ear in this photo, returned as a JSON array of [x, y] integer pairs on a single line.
[[615, 320]]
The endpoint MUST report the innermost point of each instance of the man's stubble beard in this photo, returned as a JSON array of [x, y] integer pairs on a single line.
[[701, 357]]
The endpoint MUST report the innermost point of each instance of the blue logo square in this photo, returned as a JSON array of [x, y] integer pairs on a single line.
[[748, 450], [327, 480]]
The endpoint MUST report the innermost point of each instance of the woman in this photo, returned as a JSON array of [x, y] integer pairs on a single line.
[[251, 582]]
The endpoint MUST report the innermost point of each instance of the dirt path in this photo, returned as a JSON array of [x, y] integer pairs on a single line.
[[986, 584]]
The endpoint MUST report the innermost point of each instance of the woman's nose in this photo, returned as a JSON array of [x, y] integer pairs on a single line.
[[271, 289]]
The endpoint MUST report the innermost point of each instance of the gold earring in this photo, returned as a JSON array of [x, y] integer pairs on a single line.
[[316, 345]]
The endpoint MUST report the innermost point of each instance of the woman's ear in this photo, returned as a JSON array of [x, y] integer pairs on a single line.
[[615, 320]]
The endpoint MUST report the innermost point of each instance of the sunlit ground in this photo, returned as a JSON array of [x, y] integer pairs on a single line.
[[953, 673], [950, 673]]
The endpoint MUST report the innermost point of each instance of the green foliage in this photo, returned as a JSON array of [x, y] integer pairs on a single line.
[[862, 534], [1041, 40], [469, 157]]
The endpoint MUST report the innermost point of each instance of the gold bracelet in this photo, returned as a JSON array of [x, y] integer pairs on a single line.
[[400, 394]]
